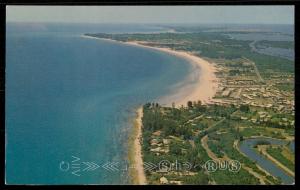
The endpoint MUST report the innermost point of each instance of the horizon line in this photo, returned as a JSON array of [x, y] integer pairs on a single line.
[[173, 23]]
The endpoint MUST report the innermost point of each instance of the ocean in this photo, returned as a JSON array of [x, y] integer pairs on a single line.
[[70, 101]]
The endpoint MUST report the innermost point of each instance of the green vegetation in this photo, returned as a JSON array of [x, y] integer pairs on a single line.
[[262, 131], [209, 44], [277, 44], [285, 86], [175, 134], [255, 97], [276, 153], [230, 178]]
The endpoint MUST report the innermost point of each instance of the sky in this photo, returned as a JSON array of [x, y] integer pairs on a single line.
[[153, 14]]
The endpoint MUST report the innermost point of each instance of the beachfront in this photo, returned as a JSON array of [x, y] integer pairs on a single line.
[[200, 84]]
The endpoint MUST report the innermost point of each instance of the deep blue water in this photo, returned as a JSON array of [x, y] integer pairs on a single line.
[[70, 98]]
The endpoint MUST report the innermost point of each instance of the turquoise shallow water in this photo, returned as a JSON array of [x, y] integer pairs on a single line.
[[69, 102]]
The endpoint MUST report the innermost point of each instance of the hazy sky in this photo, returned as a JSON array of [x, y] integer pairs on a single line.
[[153, 14]]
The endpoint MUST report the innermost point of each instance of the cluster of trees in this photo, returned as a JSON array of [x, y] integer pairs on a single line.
[[153, 120], [196, 106], [216, 148], [245, 108], [199, 179], [152, 117], [242, 177], [164, 119], [222, 111]]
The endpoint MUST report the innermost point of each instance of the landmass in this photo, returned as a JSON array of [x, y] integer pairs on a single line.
[[240, 94]]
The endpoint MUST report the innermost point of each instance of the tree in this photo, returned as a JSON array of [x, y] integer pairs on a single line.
[[169, 127], [173, 105], [245, 108], [199, 103], [200, 179], [175, 148], [241, 138], [189, 104]]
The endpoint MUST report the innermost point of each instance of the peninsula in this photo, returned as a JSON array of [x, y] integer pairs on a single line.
[[237, 106]]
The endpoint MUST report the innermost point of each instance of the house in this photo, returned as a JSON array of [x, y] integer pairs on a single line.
[[154, 142], [280, 108], [166, 141], [163, 180], [176, 182], [226, 93], [269, 105], [254, 120], [156, 133], [158, 149]]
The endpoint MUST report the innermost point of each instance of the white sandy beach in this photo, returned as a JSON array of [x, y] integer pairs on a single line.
[[201, 84], [138, 160]]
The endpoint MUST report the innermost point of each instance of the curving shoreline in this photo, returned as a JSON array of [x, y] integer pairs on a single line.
[[201, 84]]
